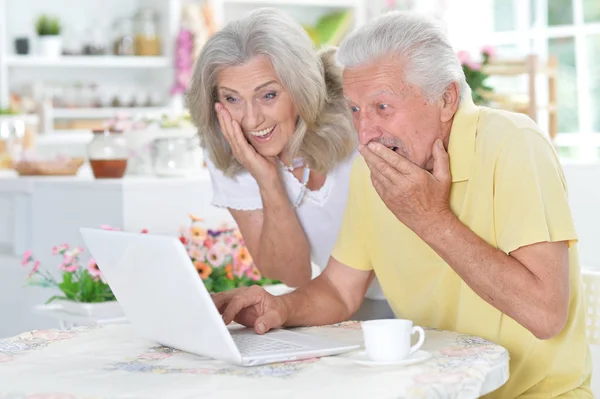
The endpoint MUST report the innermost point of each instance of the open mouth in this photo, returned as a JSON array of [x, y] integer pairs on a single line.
[[262, 133]]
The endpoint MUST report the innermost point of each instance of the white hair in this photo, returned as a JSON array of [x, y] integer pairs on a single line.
[[324, 134], [431, 63]]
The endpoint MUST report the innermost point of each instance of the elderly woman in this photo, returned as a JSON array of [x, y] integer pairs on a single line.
[[278, 139]]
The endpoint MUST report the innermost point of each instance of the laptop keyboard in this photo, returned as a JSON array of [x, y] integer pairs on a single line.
[[249, 344]]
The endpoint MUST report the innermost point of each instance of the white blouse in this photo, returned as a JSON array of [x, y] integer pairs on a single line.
[[320, 213]]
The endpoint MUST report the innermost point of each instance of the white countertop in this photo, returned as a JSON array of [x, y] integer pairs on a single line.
[[11, 182]]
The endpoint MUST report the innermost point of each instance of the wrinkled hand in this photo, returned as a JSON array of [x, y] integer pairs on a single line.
[[416, 197], [251, 307], [259, 167]]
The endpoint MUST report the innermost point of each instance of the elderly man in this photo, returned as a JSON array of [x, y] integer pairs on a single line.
[[461, 212]]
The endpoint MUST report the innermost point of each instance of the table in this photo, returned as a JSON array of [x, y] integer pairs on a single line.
[[113, 362]]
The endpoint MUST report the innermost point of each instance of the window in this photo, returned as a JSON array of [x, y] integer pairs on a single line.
[[569, 30]]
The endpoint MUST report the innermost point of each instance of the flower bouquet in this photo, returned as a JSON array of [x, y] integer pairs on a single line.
[[221, 257]]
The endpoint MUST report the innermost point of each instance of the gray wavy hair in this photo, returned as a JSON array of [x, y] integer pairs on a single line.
[[324, 133], [431, 63]]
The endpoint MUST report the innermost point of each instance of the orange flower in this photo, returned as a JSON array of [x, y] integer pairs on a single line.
[[198, 232], [203, 269], [229, 271], [195, 218], [244, 256]]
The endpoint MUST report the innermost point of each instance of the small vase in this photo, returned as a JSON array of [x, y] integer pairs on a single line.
[[22, 45], [101, 310], [108, 154], [50, 46]]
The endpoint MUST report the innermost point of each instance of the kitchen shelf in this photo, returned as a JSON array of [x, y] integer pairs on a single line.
[[102, 113], [98, 61]]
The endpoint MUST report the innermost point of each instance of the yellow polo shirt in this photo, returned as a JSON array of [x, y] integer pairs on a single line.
[[508, 187]]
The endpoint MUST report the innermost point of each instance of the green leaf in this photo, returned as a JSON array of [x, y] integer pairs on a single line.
[[69, 287], [46, 25], [224, 284], [67, 277], [208, 283]]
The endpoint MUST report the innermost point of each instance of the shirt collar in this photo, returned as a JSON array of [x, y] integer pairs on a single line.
[[461, 148]]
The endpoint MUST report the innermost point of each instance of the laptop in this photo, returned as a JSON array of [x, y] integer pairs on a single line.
[[164, 299]]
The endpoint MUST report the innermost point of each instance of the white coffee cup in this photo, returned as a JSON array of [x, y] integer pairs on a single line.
[[389, 340]]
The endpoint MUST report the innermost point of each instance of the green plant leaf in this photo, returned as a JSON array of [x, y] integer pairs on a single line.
[[47, 26], [208, 283], [223, 284]]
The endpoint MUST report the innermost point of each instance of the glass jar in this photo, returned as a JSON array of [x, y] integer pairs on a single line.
[[95, 43], [173, 157], [123, 43], [147, 40], [108, 153]]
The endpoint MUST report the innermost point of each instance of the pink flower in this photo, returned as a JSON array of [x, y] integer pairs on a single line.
[[488, 50], [463, 57], [60, 249], [475, 66], [253, 274], [239, 268], [36, 267], [27, 257], [216, 255], [93, 269], [69, 264], [196, 254]]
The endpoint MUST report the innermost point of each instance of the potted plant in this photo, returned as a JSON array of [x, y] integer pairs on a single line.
[[49, 40], [84, 291]]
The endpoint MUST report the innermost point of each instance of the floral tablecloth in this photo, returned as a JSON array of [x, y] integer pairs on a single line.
[[112, 362]]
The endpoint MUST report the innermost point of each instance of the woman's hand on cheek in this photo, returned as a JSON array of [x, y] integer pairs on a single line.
[[262, 169]]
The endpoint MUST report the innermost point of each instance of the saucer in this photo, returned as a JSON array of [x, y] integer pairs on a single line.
[[363, 359]]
